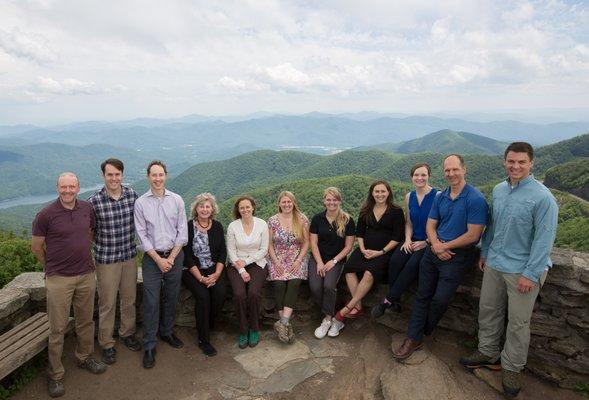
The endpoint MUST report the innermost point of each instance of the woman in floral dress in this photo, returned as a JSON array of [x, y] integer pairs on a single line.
[[287, 259]]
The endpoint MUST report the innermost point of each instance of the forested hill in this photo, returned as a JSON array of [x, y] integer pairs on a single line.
[[572, 177], [445, 141]]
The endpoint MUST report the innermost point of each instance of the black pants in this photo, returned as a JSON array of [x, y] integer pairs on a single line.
[[403, 271], [248, 296], [208, 302], [438, 281], [286, 293]]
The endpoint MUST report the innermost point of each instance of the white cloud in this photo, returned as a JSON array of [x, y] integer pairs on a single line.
[[32, 46]]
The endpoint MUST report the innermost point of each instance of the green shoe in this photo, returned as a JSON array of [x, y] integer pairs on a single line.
[[254, 338], [242, 341]]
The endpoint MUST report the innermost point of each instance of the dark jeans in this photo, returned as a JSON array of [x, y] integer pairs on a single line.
[[438, 281], [153, 282], [247, 296], [324, 290], [208, 302], [403, 271], [286, 292]]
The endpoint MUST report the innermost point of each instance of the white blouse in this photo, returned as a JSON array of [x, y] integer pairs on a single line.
[[250, 248]]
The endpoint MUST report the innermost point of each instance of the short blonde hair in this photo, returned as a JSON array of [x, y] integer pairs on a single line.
[[203, 198]]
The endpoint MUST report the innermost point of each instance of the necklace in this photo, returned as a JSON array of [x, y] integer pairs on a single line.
[[204, 227]]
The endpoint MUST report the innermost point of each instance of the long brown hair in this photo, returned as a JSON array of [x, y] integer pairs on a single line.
[[342, 218], [297, 215], [366, 213]]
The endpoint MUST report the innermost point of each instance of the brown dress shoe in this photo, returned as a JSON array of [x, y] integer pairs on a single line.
[[407, 348]]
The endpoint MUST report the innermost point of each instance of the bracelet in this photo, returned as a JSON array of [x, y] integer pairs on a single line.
[[241, 270]]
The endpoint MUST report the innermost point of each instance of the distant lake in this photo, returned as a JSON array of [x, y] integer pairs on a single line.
[[39, 199]]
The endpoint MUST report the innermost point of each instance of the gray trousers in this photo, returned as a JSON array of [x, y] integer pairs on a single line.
[[499, 290], [153, 283], [324, 290]]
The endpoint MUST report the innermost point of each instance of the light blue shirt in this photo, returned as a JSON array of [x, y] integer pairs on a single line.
[[521, 229]]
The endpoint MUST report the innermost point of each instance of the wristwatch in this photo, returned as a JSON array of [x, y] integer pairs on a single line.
[[334, 261]]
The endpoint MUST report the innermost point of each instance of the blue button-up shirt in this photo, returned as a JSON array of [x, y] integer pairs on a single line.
[[454, 215], [161, 221], [522, 229]]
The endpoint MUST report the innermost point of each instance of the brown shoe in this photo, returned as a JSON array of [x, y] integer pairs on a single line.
[[407, 348]]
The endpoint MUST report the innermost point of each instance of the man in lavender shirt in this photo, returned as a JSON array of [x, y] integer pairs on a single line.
[[160, 221]]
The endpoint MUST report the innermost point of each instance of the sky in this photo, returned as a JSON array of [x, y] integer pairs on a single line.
[[72, 60]]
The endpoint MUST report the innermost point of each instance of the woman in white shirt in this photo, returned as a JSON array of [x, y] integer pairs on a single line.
[[247, 247]]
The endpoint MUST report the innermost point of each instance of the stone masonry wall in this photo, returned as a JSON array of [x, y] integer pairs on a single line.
[[559, 349]]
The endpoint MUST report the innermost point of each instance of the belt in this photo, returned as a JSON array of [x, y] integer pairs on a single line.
[[163, 253]]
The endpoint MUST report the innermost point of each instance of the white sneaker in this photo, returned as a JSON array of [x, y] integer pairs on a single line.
[[321, 331], [335, 328]]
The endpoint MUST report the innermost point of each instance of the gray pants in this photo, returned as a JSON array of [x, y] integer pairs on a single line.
[[324, 290], [153, 282], [499, 290]]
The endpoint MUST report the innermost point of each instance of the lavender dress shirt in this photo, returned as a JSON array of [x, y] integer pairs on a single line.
[[160, 222]]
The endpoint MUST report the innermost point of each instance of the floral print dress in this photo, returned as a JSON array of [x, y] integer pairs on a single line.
[[287, 248]]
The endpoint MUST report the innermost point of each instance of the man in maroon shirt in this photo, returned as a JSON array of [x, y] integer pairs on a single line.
[[62, 233]]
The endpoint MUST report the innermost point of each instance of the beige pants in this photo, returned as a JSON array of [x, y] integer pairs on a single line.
[[62, 291], [499, 290], [116, 278]]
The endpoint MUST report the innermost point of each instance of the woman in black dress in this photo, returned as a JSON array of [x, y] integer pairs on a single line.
[[380, 229], [204, 260]]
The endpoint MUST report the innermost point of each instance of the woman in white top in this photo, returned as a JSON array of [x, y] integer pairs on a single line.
[[247, 246]]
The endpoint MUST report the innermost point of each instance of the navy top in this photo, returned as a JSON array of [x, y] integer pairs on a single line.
[[419, 213], [453, 216]]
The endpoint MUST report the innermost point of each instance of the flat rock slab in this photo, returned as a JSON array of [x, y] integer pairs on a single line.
[[287, 378], [32, 283], [328, 347], [491, 378], [269, 356], [416, 358], [431, 379]]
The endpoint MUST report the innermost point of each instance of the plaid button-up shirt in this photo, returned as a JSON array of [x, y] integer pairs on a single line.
[[114, 239]]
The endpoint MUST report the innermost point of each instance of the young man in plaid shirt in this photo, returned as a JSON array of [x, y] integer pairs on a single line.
[[114, 253]]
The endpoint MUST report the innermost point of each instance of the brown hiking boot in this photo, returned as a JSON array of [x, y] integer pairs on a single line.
[[478, 360], [90, 364], [55, 387], [407, 348], [512, 382]]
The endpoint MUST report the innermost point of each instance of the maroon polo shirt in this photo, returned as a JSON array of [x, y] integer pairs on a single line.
[[67, 239]]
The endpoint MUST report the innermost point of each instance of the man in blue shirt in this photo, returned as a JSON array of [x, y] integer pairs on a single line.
[[456, 221], [515, 257]]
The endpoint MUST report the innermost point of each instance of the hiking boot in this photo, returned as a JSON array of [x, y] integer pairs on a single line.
[[90, 364], [207, 348], [290, 333], [512, 382], [55, 387], [408, 347], [282, 331], [109, 356], [478, 360], [322, 329]]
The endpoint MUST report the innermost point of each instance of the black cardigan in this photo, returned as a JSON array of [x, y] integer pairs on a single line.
[[216, 245]]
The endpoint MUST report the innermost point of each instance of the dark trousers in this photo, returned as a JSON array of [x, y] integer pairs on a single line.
[[438, 281], [208, 302], [403, 271], [153, 282], [247, 296], [286, 292], [324, 290]]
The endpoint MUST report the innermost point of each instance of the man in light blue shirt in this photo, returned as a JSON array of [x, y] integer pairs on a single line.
[[515, 257]]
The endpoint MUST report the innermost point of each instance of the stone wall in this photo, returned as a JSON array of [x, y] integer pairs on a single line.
[[559, 349]]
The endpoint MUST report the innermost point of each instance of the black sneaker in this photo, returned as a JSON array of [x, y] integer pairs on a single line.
[[478, 360], [90, 364], [109, 356], [207, 349], [132, 343], [55, 387], [379, 310]]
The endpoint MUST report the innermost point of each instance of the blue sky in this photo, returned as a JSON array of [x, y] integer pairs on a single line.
[[77, 60]]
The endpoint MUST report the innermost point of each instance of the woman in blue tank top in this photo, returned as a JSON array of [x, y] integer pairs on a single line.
[[404, 262]]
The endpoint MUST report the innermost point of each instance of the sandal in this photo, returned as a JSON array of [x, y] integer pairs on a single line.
[[354, 313]]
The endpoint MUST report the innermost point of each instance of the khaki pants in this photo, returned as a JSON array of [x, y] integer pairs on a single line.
[[116, 278], [499, 290], [62, 291]]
